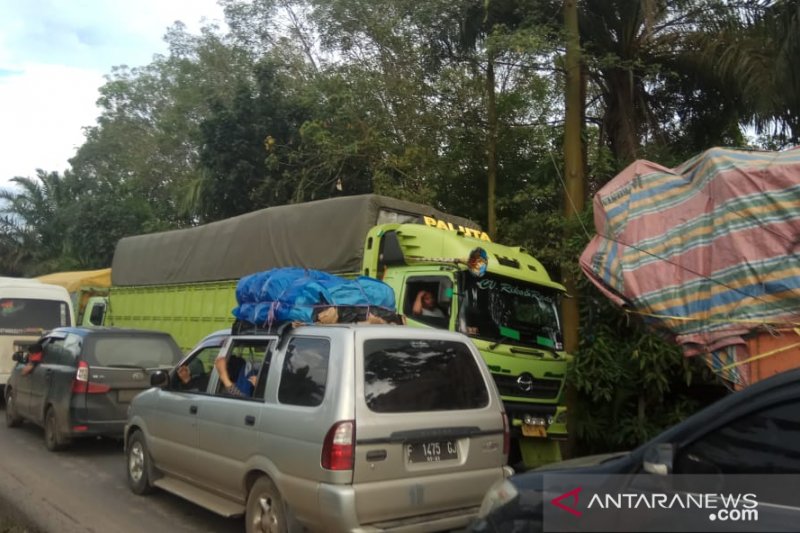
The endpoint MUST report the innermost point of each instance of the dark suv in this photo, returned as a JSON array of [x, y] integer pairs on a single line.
[[85, 381], [751, 438]]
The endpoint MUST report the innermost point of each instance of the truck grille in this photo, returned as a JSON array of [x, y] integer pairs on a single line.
[[527, 386]]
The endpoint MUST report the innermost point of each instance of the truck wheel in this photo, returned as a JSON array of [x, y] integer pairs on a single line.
[[265, 510], [139, 465], [12, 418], [53, 438]]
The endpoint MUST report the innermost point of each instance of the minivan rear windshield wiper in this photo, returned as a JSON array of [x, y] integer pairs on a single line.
[[137, 367]]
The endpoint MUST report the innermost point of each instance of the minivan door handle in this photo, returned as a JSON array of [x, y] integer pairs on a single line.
[[376, 455], [193, 409], [250, 420]]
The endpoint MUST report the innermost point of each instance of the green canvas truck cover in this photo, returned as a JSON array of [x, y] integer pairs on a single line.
[[324, 235]]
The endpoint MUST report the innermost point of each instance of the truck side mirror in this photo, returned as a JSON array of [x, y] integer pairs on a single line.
[[658, 459]]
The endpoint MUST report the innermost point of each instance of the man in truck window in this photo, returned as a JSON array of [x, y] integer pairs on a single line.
[[425, 304]]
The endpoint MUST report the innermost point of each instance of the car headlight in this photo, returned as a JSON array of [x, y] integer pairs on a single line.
[[497, 496]]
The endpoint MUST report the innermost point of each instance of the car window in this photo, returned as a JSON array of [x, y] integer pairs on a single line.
[[402, 375], [248, 361], [200, 366], [61, 351], [134, 350], [436, 314], [764, 442], [305, 371], [97, 314]]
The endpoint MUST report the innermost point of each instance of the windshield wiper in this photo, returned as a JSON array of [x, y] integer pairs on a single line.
[[137, 367], [498, 342]]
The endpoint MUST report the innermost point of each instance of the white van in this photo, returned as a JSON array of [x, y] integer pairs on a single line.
[[27, 309]]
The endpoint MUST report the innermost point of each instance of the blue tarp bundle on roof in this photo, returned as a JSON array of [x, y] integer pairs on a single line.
[[293, 294]]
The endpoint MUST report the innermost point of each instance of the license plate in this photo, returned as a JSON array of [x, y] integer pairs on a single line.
[[529, 430], [432, 451], [126, 395]]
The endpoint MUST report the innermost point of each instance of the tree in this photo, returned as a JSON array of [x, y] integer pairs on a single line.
[[35, 215], [754, 49]]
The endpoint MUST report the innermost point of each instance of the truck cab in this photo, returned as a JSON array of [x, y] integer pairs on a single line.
[[510, 311]]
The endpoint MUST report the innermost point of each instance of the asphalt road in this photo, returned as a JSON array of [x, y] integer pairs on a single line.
[[84, 489]]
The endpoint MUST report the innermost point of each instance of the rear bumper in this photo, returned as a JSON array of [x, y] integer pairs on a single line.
[[338, 504], [95, 428]]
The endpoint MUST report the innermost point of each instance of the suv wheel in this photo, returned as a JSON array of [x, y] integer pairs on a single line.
[[53, 438], [139, 465], [12, 418], [265, 511]]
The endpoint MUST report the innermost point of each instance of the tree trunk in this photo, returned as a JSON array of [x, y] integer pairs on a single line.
[[491, 148], [573, 165], [573, 193], [621, 118]]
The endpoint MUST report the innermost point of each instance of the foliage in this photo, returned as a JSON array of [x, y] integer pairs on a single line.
[[630, 382], [426, 101]]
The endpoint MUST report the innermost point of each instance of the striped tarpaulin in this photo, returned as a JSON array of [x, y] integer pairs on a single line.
[[708, 251]]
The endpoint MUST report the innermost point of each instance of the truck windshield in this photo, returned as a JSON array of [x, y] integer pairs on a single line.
[[508, 311], [27, 316]]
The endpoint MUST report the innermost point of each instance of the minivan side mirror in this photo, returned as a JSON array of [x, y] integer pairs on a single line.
[[19, 357], [159, 378], [658, 459]]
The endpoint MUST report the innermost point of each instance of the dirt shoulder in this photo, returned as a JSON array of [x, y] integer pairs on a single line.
[[13, 521]]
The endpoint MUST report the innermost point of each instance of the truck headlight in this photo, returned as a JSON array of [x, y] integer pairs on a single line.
[[497, 496]]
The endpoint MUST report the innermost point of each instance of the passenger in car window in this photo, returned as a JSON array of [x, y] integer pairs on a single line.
[[234, 366], [192, 376], [34, 358]]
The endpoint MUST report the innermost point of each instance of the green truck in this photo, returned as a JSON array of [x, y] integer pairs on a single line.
[[88, 290], [184, 281]]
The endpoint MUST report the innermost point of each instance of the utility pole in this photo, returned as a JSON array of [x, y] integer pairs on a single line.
[[573, 165]]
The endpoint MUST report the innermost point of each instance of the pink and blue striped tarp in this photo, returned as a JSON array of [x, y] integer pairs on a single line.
[[707, 251]]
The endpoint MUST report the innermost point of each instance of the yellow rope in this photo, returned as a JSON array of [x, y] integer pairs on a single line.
[[719, 320], [763, 355]]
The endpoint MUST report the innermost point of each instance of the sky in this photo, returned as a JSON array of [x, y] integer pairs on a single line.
[[53, 58]]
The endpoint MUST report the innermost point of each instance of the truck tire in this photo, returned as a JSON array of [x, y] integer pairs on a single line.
[[12, 418], [54, 439], [265, 509], [139, 464]]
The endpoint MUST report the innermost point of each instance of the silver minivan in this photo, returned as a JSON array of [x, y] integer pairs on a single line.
[[338, 428]]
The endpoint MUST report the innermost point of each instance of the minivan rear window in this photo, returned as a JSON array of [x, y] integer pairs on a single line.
[[402, 375], [134, 350]]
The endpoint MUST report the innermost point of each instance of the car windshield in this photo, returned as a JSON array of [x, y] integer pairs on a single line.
[[499, 309], [139, 351], [25, 315]]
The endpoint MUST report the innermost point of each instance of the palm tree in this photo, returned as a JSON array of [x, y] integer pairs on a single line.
[[632, 47], [33, 223], [756, 48]]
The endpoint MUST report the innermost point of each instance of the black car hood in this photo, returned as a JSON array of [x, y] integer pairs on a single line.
[[582, 462]]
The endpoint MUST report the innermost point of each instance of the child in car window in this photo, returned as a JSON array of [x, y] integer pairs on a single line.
[[229, 386]]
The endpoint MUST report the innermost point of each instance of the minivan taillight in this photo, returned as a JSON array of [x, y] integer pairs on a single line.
[[337, 450], [81, 384], [506, 436]]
